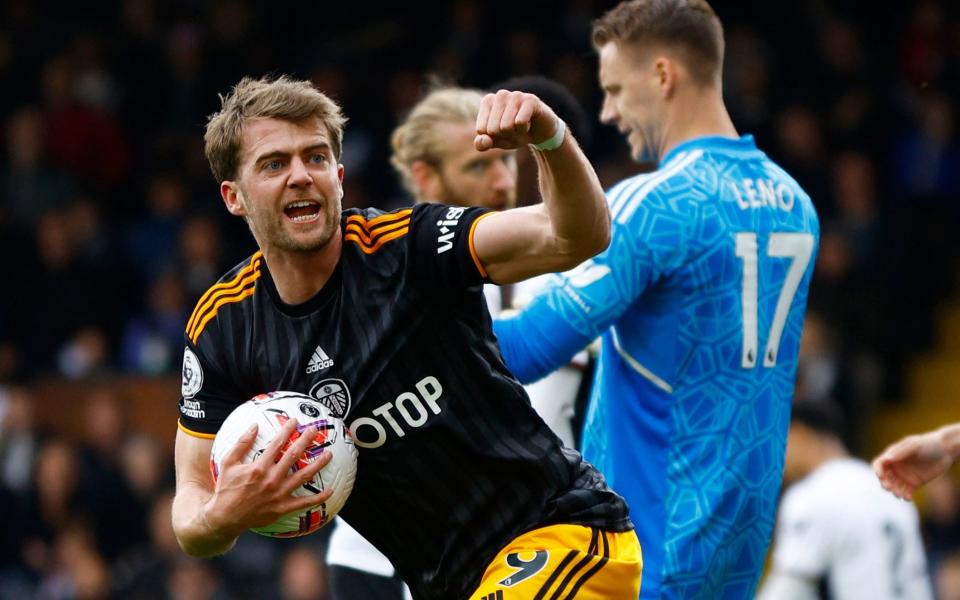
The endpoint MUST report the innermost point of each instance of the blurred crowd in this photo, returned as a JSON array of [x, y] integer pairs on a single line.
[[114, 225], [90, 518]]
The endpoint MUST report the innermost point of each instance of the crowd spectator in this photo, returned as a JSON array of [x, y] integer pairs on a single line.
[[29, 186]]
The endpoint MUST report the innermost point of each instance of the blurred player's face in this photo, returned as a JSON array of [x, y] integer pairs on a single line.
[[468, 177], [289, 185], [632, 98]]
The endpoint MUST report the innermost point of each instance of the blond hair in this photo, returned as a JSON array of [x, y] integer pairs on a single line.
[[281, 98], [689, 26], [419, 138]]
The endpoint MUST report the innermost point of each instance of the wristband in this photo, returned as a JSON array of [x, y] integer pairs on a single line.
[[555, 141]]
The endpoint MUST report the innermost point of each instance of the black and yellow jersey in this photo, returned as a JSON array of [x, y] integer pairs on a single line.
[[454, 462]]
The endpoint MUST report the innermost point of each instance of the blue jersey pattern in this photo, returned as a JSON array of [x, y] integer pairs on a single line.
[[699, 303]]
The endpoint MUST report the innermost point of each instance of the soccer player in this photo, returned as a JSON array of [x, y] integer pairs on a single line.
[[699, 301], [560, 397], [381, 317], [837, 529], [917, 459], [434, 155]]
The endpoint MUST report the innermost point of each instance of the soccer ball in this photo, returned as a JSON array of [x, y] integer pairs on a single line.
[[270, 412]]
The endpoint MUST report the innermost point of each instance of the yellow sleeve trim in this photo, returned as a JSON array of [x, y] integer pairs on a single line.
[[473, 249], [196, 434]]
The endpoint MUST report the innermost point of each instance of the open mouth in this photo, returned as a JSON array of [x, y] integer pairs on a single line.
[[302, 211]]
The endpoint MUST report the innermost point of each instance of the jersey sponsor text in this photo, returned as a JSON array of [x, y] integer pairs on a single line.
[[412, 409], [446, 228], [193, 409]]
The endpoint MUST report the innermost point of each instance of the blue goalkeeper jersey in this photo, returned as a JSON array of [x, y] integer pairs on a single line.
[[699, 304]]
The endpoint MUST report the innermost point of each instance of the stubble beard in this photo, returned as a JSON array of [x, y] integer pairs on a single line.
[[273, 233]]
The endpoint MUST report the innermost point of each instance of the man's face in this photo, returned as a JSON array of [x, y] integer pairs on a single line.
[[631, 98], [289, 184], [468, 177]]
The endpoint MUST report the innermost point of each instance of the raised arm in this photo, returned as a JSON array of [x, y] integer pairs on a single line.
[[571, 225], [208, 518], [917, 459]]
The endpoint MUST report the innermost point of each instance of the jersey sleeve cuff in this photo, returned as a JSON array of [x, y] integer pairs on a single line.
[[473, 248]]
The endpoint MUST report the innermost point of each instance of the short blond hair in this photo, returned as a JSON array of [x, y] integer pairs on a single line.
[[280, 98], [420, 138]]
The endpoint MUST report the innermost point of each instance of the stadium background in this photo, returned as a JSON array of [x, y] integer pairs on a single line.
[[111, 227]]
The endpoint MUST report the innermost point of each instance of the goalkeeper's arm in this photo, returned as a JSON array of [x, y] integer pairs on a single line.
[[538, 340]]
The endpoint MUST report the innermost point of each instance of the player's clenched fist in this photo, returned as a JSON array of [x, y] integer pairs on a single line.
[[513, 119]]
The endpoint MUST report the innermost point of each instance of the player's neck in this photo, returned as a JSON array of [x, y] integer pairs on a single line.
[[696, 114], [299, 276]]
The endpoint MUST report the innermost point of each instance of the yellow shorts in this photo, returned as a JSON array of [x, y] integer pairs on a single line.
[[563, 562]]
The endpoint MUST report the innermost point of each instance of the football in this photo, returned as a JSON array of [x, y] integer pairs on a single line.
[[270, 411]]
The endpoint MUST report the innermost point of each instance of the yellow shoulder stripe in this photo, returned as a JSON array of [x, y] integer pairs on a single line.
[[376, 221], [371, 235], [206, 300], [370, 249], [367, 237], [244, 292]]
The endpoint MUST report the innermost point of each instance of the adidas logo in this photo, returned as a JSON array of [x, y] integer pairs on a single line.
[[318, 361]]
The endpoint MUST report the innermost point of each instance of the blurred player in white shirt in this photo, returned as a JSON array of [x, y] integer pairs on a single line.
[[839, 534]]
